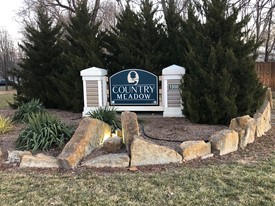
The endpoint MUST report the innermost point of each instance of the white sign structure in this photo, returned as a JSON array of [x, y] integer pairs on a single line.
[[171, 98], [96, 91]]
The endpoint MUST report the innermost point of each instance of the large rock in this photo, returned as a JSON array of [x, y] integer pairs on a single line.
[[39, 161], [246, 128], [144, 152], [130, 128], [262, 118], [110, 160], [224, 142], [16, 155], [86, 138], [112, 144], [194, 149]]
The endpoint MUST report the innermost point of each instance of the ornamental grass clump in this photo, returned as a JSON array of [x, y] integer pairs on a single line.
[[5, 124], [108, 115], [27, 109], [43, 132]]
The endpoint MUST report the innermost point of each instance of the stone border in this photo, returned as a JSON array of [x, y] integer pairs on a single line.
[[241, 132]]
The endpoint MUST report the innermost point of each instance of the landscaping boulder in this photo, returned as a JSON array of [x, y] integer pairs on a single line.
[[194, 149], [88, 136], [39, 161], [112, 144], [246, 128], [16, 155], [144, 152], [109, 160], [262, 118], [224, 142], [130, 128]]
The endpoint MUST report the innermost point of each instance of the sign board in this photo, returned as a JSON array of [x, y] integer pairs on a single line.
[[134, 87]]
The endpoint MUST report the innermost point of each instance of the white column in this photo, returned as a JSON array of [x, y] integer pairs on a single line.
[[164, 92], [171, 74], [104, 90], [85, 92], [94, 74]]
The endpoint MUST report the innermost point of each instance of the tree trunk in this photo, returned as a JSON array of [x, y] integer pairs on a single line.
[[95, 11], [267, 50], [164, 8]]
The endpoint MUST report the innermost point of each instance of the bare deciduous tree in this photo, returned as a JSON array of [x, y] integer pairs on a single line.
[[7, 55], [107, 14], [263, 24], [58, 8]]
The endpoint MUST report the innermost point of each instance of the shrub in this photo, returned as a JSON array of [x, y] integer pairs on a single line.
[[220, 81], [43, 131], [27, 109], [17, 101], [5, 124], [108, 115]]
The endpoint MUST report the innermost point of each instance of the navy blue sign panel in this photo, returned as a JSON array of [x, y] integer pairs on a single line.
[[134, 87]]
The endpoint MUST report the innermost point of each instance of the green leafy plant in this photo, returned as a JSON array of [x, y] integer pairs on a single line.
[[43, 131], [5, 124], [108, 115], [27, 109]]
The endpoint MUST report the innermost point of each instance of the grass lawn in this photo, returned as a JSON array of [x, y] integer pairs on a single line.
[[219, 184], [4, 99], [224, 184]]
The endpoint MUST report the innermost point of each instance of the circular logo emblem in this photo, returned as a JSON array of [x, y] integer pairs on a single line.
[[133, 77]]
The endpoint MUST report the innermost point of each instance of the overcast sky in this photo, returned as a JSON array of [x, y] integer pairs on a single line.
[[8, 17]]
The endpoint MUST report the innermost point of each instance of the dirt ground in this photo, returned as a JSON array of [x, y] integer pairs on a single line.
[[169, 132]]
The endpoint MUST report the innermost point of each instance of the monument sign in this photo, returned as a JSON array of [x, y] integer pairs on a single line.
[[134, 87]]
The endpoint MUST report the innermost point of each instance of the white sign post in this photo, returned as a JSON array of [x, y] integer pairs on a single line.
[[171, 78], [94, 88]]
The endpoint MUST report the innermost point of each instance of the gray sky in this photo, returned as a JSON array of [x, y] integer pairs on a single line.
[[8, 17]]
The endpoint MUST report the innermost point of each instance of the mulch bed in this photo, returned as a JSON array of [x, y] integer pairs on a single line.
[[168, 132]]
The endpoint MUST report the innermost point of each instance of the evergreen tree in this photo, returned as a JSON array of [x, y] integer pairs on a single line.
[[83, 51], [40, 62], [152, 35], [220, 81], [135, 42], [174, 43], [124, 33]]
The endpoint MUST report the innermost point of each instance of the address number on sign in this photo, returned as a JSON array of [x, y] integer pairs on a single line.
[[173, 86]]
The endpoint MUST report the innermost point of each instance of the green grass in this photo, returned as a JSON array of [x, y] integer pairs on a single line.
[[3, 88], [4, 99], [225, 184]]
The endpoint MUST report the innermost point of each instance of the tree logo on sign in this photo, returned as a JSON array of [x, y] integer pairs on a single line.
[[133, 77]]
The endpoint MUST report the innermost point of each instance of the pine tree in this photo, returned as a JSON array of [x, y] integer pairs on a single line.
[[41, 61], [83, 51], [152, 35], [174, 43], [135, 42], [220, 82], [116, 41]]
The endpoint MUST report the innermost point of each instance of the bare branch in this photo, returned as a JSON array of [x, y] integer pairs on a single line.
[[58, 3]]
